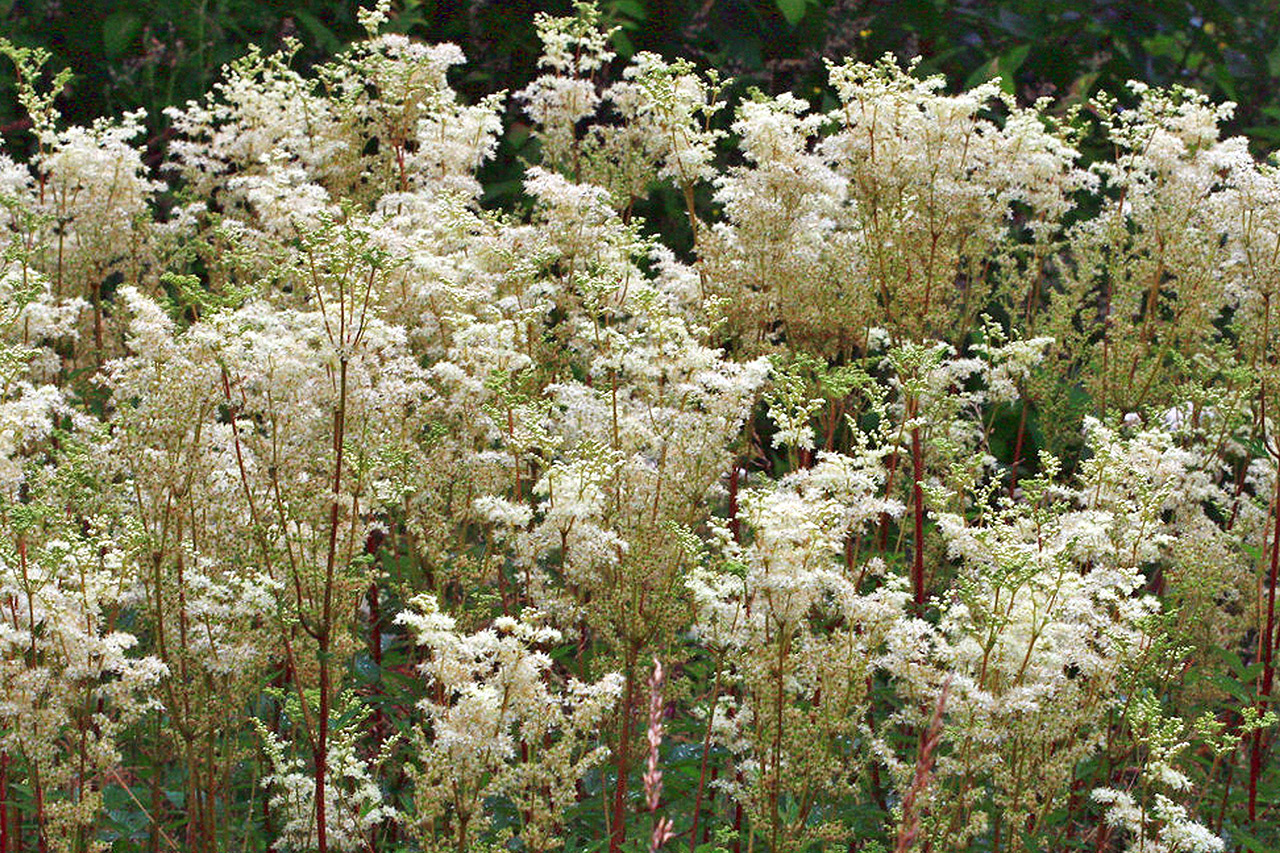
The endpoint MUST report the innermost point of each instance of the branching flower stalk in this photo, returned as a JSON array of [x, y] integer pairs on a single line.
[[345, 326]]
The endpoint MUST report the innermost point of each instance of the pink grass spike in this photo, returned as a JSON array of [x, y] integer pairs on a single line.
[[662, 827]]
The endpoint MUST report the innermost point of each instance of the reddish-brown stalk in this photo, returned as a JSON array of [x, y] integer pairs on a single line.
[[833, 422], [42, 837], [37, 787], [706, 828], [324, 630], [877, 788], [95, 293], [737, 821], [199, 831], [345, 340], [4, 802], [373, 543], [1017, 449], [400, 167], [1267, 643], [775, 777], [706, 753], [618, 828], [157, 796], [15, 821]]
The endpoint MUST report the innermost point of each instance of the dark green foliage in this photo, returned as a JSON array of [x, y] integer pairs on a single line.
[[128, 54]]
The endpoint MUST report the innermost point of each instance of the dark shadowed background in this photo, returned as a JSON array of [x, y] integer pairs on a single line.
[[151, 53]]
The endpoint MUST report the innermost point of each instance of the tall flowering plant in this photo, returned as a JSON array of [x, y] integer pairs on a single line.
[[929, 450]]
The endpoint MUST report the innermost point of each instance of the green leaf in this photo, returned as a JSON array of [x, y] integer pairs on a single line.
[[631, 8], [983, 73], [1009, 64], [792, 10], [1231, 687], [118, 32]]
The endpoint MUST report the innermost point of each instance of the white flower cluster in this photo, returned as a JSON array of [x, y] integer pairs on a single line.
[[354, 800], [335, 428], [72, 688], [502, 726]]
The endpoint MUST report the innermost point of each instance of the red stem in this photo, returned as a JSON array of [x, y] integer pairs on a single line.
[[42, 838], [917, 474], [325, 632], [4, 802], [1017, 450], [618, 831], [737, 823], [321, 750], [1268, 646], [706, 753], [371, 546]]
